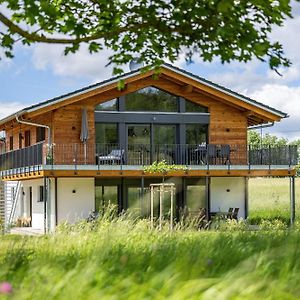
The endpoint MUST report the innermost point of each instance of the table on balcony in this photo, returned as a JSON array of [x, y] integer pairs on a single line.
[[212, 154]]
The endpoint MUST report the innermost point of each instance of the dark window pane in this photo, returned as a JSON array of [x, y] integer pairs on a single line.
[[105, 196], [151, 99], [27, 138], [106, 133], [40, 134], [139, 144], [11, 143], [193, 107], [164, 134], [20, 140], [111, 105], [195, 196], [196, 134], [164, 140], [41, 194]]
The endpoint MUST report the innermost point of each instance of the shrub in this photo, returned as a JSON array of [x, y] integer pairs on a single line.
[[272, 225]]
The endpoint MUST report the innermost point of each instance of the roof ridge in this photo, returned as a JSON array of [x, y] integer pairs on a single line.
[[130, 73]]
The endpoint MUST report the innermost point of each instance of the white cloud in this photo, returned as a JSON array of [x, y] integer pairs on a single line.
[[78, 65], [286, 99], [8, 108]]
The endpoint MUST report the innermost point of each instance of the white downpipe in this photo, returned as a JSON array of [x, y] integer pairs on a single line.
[[46, 212], [36, 125]]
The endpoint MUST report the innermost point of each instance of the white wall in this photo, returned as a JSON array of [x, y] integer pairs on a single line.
[[75, 198], [227, 192], [37, 207]]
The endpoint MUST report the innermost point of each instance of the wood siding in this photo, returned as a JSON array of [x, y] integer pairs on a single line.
[[15, 129], [66, 134], [228, 121]]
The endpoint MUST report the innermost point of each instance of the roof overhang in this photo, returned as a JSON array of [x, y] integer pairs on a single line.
[[261, 113]]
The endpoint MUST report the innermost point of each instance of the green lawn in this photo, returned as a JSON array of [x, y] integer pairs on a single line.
[[269, 198]]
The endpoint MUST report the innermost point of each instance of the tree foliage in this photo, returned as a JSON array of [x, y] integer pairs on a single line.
[[163, 167], [152, 30], [268, 140]]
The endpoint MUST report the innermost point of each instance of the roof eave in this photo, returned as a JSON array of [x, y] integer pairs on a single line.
[[133, 73], [232, 94]]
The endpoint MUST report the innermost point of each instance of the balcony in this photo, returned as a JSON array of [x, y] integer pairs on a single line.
[[113, 156]]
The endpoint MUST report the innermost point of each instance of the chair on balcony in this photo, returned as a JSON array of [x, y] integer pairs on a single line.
[[116, 156], [225, 154], [199, 154], [234, 214], [212, 154]]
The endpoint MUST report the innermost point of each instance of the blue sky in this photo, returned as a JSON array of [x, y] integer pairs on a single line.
[[42, 71]]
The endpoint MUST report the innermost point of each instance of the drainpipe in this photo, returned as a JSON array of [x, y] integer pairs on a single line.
[[36, 125], [46, 227]]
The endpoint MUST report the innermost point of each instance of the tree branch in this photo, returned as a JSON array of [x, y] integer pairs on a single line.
[[32, 36]]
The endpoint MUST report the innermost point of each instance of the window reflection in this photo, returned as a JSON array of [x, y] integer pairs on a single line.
[[107, 106], [106, 133], [196, 134], [194, 107], [151, 99]]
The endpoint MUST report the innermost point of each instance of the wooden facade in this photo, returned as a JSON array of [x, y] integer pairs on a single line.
[[229, 116]]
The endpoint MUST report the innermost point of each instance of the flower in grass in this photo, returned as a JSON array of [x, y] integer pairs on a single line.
[[5, 288]]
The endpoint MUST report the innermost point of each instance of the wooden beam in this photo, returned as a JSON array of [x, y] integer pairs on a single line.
[[139, 173], [187, 88], [189, 173]]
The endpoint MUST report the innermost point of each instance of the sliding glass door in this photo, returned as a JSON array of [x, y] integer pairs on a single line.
[[147, 143], [139, 144], [164, 142]]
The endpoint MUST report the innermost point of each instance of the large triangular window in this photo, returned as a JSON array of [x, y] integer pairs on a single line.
[[151, 99]]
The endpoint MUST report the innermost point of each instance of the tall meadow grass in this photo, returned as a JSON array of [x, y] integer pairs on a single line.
[[122, 258]]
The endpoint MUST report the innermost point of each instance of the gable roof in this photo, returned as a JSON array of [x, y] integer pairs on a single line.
[[127, 75]]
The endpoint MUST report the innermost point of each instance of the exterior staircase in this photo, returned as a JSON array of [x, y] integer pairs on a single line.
[[11, 194], [2, 204]]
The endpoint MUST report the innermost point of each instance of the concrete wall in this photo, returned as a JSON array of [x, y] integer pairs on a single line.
[[37, 207], [228, 192], [75, 198]]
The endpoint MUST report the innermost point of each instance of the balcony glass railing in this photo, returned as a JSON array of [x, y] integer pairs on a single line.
[[114, 154]]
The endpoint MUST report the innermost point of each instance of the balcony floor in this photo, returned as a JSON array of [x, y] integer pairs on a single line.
[[40, 171]]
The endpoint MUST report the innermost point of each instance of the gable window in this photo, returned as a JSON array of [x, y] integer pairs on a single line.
[[40, 134], [151, 99], [111, 105], [194, 107]]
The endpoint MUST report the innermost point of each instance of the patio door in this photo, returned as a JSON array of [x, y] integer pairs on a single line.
[[139, 144], [164, 142], [151, 142]]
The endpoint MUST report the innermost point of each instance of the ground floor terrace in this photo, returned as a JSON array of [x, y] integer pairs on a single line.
[[48, 201]]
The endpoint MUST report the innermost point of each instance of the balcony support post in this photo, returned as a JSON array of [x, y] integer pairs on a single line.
[[292, 201]]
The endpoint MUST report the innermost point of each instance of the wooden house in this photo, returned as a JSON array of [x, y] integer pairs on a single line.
[[81, 151]]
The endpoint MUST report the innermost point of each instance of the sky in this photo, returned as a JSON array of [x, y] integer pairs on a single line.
[[41, 72]]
